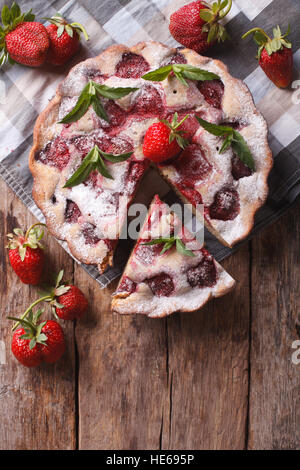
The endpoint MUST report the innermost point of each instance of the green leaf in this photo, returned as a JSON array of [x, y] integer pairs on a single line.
[[29, 16], [239, 145], [181, 71], [233, 138], [226, 143], [157, 241], [114, 93], [59, 277], [158, 75], [6, 15], [212, 33], [168, 243], [15, 11], [103, 170], [167, 246], [94, 161], [69, 30], [259, 38], [99, 109], [32, 343], [89, 95], [180, 247], [60, 30], [214, 128], [42, 337], [116, 158], [194, 73], [206, 15], [81, 174], [181, 78], [80, 108]]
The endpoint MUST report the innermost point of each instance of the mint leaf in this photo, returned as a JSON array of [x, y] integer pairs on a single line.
[[214, 128], [242, 150], [182, 72], [158, 75], [94, 161], [180, 247], [168, 243], [232, 138], [90, 95], [113, 93], [194, 73]]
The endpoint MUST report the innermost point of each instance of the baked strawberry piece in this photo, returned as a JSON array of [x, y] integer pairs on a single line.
[[169, 270]]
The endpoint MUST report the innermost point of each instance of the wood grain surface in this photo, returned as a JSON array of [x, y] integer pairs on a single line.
[[220, 378]]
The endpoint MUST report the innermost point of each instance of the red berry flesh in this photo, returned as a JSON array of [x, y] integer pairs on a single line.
[[74, 304], [20, 349], [28, 43], [132, 66], [161, 285], [55, 342], [30, 270], [156, 143]]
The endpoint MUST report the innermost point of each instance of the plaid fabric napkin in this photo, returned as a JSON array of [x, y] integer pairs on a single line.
[[24, 92]]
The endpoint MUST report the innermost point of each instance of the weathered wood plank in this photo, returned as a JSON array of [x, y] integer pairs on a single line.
[[122, 375], [142, 386], [37, 406], [275, 381], [208, 370]]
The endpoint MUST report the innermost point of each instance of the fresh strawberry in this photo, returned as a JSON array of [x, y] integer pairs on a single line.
[[275, 55], [37, 342], [197, 26], [67, 301], [73, 304], [64, 39], [22, 40], [163, 140], [26, 254]]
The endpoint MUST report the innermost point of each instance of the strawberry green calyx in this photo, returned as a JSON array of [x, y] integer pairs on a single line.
[[32, 238], [277, 43], [175, 132], [11, 18], [33, 329], [63, 25], [50, 295], [212, 15]]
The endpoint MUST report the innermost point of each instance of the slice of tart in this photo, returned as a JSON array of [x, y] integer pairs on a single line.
[[173, 274]]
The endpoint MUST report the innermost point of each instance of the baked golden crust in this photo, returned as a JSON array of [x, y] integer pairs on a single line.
[[236, 99]]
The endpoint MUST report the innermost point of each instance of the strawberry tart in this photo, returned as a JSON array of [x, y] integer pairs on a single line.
[[87, 157]]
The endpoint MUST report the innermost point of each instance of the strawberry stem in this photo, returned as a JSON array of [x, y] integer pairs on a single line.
[[225, 12], [42, 299], [82, 28], [32, 226], [254, 30]]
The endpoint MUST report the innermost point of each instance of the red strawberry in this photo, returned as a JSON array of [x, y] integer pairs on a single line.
[[197, 26], [22, 40], [64, 39], [73, 304], [67, 301], [163, 140], [275, 55], [37, 342], [26, 254]]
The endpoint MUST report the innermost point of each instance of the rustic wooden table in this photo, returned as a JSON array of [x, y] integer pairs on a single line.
[[220, 378]]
